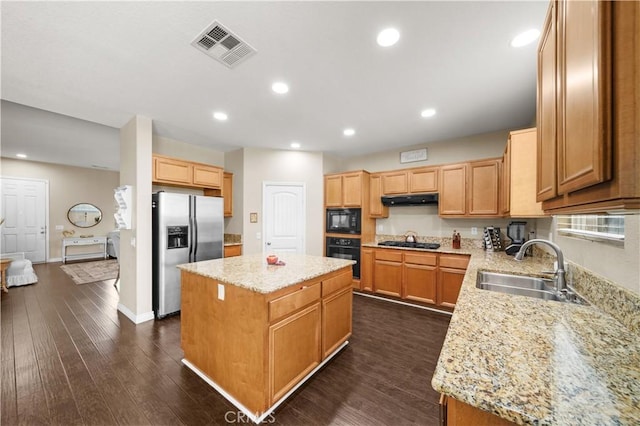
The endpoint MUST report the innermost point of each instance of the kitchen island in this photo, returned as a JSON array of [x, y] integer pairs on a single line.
[[256, 332]]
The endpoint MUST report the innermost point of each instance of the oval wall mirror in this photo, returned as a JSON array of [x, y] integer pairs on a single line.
[[84, 215]]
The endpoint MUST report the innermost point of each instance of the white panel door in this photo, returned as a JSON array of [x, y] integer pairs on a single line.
[[24, 211], [284, 217]]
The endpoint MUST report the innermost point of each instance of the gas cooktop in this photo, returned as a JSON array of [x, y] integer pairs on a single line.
[[430, 246]]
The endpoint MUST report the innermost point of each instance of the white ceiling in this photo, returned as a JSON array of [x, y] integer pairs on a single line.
[[106, 61]]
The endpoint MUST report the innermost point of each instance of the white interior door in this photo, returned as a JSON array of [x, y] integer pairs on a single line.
[[284, 217], [24, 209]]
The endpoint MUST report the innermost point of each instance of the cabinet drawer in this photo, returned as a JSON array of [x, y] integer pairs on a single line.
[[336, 283], [430, 259], [454, 261], [294, 301], [392, 256]]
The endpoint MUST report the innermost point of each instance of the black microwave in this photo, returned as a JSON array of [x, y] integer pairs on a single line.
[[343, 221]]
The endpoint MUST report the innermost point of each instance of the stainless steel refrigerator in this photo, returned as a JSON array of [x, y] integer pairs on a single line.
[[186, 228]]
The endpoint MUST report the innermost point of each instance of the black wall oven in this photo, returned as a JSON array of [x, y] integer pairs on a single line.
[[345, 248], [343, 221]]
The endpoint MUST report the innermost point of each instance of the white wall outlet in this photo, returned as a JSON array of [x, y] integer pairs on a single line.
[[133, 241], [59, 227], [258, 235], [474, 231], [221, 291], [380, 228]]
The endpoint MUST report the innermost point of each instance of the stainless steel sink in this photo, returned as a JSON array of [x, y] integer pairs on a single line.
[[522, 285]]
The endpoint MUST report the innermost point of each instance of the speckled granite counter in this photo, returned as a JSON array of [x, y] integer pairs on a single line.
[[537, 362], [254, 273]]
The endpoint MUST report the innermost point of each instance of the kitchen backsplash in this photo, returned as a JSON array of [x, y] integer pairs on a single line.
[[425, 222]]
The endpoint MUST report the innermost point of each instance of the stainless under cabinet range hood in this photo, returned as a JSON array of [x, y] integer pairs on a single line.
[[410, 200]]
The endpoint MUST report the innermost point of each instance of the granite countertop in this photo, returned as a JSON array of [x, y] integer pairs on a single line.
[[253, 272], [537, 362], [232, 244]]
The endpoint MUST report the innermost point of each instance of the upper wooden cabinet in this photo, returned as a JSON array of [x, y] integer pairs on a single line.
[[470, 189], [423, 180], [177, 172], [376, 209], [410, 181], [227, 193], [344, 189], [519, 176], [453, 190], [589, 107]]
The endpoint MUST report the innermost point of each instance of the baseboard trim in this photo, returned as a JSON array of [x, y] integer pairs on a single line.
[[399, 302], [54, 259], [260, 417], [136, 319]]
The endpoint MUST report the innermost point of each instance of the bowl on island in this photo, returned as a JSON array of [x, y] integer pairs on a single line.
[[272, 259]]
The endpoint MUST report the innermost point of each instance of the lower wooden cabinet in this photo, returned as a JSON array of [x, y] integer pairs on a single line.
[[366, 269], [387, 273], [231, 251], [420, 277], [336, 320], [450, 276], [294, 350], [425, 277], [457, 413]]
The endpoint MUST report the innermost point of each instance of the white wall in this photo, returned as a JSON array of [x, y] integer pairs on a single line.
[[68, 186], [234, 163], [619, 264], [187, 151], [135, 243], [262, 165], [424, 220], [486, 145]]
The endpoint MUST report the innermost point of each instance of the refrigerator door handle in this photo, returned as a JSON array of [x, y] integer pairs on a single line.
[[194, 217]]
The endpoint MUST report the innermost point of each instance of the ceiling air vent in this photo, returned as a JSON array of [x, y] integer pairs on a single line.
[[218, 42]]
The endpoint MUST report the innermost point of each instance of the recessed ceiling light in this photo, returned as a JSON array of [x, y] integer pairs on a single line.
[[525, 38], [21, 155], [295, 145], [221, 116], [428, 113], [280, 87], [388, 37], [348, 132]]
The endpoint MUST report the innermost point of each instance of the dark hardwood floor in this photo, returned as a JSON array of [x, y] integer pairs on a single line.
[[68, 357]]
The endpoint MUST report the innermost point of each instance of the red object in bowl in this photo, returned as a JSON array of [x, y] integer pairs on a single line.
[[272, 259]]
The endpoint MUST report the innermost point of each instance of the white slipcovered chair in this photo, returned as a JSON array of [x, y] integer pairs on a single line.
[[20, 272]]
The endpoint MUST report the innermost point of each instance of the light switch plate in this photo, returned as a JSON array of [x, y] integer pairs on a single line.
[[59, 227], [221, 291], [474, 231]]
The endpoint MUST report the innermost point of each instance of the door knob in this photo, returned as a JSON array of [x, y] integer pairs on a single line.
[[268, 244]]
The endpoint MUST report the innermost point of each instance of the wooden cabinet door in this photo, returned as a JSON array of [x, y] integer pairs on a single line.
[[453, 186], [522, 150], [294, 350], [231, 251], [352, 190], [207, 176], [336, 320], [505, 181], [227, 193], [366, 269], [333, 191], [171, 170], [387, 277], [584, 127], [395, 183], [547, 106], [423, 180], [449, 284], [484, 188], [376, 209], [420, 283]]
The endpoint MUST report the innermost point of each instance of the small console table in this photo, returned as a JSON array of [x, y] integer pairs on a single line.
[[90, 241]]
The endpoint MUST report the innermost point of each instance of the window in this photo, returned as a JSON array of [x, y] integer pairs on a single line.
[[597, 227]]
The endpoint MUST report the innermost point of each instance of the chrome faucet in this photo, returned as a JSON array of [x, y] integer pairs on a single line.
[[561, 284]]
